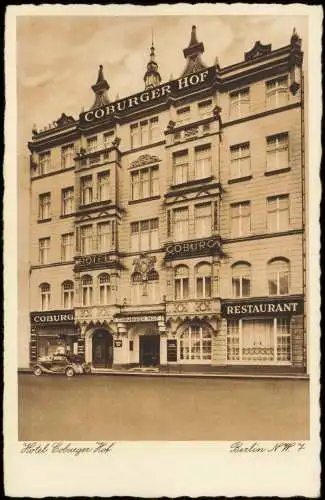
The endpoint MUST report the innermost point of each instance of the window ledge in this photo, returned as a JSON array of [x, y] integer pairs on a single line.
[[150, 198], [65, 216], [95, 204], [41, 221], [278, 171], [240, 179], [192, 182]]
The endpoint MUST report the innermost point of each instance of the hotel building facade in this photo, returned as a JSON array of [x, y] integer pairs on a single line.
[[167, 228]]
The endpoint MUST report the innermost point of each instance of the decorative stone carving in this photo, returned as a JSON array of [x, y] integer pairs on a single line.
[[171, 126], [190, 132], [144, 160], [116, 142], [144, 264]]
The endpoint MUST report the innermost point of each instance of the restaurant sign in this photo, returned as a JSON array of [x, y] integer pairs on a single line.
[[95, 261], [157, 94], [49, 317], [186, 249], [267, 307]]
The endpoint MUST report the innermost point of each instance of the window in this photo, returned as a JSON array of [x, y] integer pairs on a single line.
[[67, 201], [240, 160], [261, 340], [44, 250], [277, 92], [104, 236], [144, 132], [181, 223], [86, 236], [180, 167], [87, 290], [183, 115], [136, 288], [239, 103], [241, 279], [67, 247], [144, 183], [144, 235], [196, 344], [44, 163], [278, 276], [67, 294], [240, 218], [104, 289], [205, 108], [203, 281], [44, 206], [203, 161], [92, 144], [181, 282], [203, 220], [278, 213], [86, 184], [45, 290], [103, 180], [67, 156], [277, 152]]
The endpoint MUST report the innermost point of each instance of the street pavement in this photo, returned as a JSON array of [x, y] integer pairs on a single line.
[[127, 408]]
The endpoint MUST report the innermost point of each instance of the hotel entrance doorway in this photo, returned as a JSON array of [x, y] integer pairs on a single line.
[[149, 350]]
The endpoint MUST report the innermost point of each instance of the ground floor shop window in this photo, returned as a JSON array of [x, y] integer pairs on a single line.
[[264, 340], [196, 344]]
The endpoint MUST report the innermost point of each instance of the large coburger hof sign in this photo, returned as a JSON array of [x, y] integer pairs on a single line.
[[267, 307], [145, 98], [185, 249], [65, 317]]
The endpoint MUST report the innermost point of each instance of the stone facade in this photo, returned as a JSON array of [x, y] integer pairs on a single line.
[[172, 195]]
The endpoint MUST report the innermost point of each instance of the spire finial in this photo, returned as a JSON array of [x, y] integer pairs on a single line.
[[100, 88], [193, 54], [152, 77]]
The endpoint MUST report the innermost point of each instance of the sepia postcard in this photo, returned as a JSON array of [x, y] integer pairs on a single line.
[[161, 250]]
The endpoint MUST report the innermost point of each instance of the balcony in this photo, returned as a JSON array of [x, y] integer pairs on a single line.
[[191, 308], [89, 159]]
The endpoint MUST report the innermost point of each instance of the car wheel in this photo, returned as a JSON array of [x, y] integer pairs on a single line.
[[37, 371], [69, 372]]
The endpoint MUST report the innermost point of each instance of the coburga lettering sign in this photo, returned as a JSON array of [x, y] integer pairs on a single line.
[[160, 93], [50, 317]]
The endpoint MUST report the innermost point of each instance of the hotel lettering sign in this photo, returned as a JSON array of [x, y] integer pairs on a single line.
[[95, 261], [50, 317], [157, 94], [267, 307], [139, 319], [206, 246]]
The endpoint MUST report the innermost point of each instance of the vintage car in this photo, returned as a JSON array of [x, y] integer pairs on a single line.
[[61, 363]]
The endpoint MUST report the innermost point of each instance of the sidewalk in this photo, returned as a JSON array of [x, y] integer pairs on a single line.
[[156, 373]]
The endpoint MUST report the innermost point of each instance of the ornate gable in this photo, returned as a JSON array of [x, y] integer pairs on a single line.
[[144, 160], [64, 120], [259, 50]]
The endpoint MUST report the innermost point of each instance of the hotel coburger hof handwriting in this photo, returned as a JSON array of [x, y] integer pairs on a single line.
[[167, 227]]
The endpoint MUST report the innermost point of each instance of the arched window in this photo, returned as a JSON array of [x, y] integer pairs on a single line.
[[181, 282], [136, 288], [87, 290], [241, 279], [153, 287], [203, 280], [196, 343], [145, 291], [45, 290], [278, 276], [104, 289], [67, 294]]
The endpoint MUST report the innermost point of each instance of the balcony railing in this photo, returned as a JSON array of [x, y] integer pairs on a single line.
[[193, 307], [96, 313]]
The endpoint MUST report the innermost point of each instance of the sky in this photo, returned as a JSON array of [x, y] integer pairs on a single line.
[[58, 56]]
